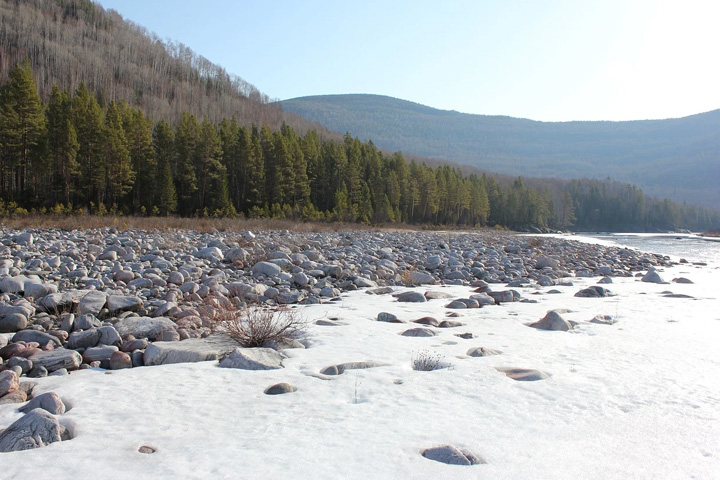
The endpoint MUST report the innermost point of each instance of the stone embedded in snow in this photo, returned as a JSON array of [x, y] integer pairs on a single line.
[[505, 296], [266, 268], [605, 280], [552, 321], [652, 276], [342, 367], [189, 351], [9, 382], [456, 305], [388, 318], [483, 299], [56, 359], [144, 327], [329, 323], [450, 324], [279, 389], [482, 352], [418, 332], [412, 297], [431, 321], [253, 359], [524, 374], [121, 303], [362, 282], [434, 295], [50, 402], [594, 291], [380, 291], [35, 429], [452, 455], [603, 320]]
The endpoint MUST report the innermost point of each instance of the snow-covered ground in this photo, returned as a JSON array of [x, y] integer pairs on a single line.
[[638, 399]]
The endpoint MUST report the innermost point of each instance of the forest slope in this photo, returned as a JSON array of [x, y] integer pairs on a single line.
[[675, 158]]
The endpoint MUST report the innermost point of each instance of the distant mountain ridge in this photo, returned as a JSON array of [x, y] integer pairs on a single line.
[[674, 158]]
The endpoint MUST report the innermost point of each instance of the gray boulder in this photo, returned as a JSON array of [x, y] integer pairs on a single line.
[[100, 353], [57, 359], [36, 336], [279, 389], [652, 276], [524, 374], [253, 359], [189, 351], [452, 455], [388, 317], [50, 402], [544, 261], [418, 332], [342, 367], [421, 278], [122, 303], [411, 297], [144, 327], [552, 321], [39, 290], [266, 268], [482, 352], [83, 339], [35, 429], [13, 323], [594, 291], [92, 303], [9, 382]]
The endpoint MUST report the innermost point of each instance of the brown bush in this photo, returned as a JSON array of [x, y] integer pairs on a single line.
[[257, 326]]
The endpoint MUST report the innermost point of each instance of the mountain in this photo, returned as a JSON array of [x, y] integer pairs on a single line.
[[674, 158]]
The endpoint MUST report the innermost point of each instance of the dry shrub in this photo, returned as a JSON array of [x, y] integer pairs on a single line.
[[256, 326], [426, 361], [536, 242]]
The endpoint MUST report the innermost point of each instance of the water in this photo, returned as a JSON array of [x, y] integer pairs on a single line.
[[690, 247]]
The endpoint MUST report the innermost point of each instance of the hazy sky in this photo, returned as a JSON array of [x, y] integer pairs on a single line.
[[551, 60]]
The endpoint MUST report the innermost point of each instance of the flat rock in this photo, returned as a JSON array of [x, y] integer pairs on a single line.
[[411, 297], [189, 351], [35, 429], [340, 368], [18, 396], [379, 291], [452, 455], [482, 352], [41, 338], [50, 402], [279, 389], [253, 359], [122, 303], [92, 303], [434, 295], [266, 268], [524, 374], [144, 327], [418, 332], [594, 291], [56, 359]]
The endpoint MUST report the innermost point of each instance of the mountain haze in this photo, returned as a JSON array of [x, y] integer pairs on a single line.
[[674, 158]]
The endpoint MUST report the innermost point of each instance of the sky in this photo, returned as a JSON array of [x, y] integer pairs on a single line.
[[552, 60]]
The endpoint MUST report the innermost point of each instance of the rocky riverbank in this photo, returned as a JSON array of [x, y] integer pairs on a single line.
[[107, 299]]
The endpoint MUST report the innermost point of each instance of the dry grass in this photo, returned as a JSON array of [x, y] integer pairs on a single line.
[[426, 361]]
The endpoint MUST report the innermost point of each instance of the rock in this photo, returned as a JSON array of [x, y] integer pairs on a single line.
[[434, 295], [86, 322], [418, 332], [329, 323], [9, 382], [50, 402], [412, 297], [652, 276], [452, 455], [505, 296], [98, 354], [13, 323], [450, 324], [253, 359], [189, 351], [24, 238], [135, 344], [544, 261], [433, 262], [605, 280], [279, 389], [210, 253], [18, 396], [483, 299], [36, 336], [146, 449], [92, 303], [39, 290], [523, 374], [24, 364], [38, 372], [56, 359], [603, 320], [83, 339], [457, 305], [266, 268], [388, 317], [420, 278], [552, 321], [594, 291], [35, 429], [482, 352], [120, 360], [144, 327], [121, 303], [466, 335], [342, 367], [109, 336], [379, 291], [61, 302], [682, 280]]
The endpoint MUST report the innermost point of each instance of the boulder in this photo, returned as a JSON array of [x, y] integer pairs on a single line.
[[92, 303], [482, 352], [144, 327], [279, 389], [412, 297], [266, 268], [552, 321], [524, 374], [120, 360], [98, 354], [253, 359], [189, 351], [545, 261], [452, 455], [39, 290], [13, 323], [35, 429], [83, 339], [18, 396], [41, 338], [434, 295], [342, 367], [420, 278], [594, 291], [603, 320], [50, 402], [9, 382], [388, 317], [418, 332], [56, 359], [122, 303]]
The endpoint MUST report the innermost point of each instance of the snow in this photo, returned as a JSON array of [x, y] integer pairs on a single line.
[[637, 399]]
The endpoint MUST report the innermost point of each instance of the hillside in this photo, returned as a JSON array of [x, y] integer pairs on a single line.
[[72, 41], [675, 158]]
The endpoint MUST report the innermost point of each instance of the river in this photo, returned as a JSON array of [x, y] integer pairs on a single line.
[[693, 248]]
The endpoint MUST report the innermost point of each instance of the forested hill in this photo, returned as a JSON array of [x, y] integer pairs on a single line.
[[675, 158], [72, 41]]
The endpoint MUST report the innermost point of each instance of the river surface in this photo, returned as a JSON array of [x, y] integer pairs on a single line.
[[693, 248]]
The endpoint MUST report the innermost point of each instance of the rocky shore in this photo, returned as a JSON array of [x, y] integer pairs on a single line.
[[108, 299]]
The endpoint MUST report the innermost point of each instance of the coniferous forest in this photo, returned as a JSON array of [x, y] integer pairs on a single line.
[[74, 153]]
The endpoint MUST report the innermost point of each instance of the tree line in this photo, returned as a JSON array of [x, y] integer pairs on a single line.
[[77, 152]]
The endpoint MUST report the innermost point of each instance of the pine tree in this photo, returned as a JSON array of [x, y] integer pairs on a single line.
[[187, 137], [88, 121], [62, 146], [138, 133], [164, 148], [119, 175]]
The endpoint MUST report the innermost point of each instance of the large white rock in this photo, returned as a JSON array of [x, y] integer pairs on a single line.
[[253, 359], [189, 351], [266, 268]]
